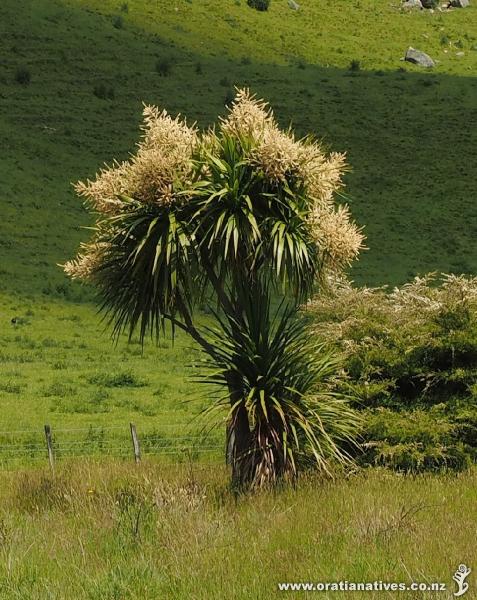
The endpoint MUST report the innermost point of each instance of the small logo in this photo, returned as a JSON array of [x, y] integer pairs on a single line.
[[459, 577]]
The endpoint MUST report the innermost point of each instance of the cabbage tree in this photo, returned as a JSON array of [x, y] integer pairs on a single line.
[[243, 213]]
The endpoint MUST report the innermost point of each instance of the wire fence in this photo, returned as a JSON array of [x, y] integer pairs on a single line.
[[51, 445]]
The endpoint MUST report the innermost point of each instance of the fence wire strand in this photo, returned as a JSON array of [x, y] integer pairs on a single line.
[[152, 443]]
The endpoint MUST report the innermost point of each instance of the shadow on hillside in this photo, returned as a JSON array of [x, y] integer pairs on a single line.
[[407, 135]]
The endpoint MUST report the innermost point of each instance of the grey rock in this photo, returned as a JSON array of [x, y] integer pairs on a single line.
[[459, 3], [419, 58], [412, 4], [293, 5]]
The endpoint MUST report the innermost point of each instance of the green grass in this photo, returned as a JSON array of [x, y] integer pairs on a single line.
[[58, 365], [148, 532], [59, 360]]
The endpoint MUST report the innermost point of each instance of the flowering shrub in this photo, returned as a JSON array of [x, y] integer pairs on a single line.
[[411, 358]]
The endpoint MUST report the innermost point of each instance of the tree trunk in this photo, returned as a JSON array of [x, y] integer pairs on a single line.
[[238, 443]]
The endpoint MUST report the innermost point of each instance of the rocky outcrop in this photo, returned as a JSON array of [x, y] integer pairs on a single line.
[[409, 4], [419, 58]]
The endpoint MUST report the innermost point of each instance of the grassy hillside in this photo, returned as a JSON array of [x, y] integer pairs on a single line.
[[91, 64], [406, 131]]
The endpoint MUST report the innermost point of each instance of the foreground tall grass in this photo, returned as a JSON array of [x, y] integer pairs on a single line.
[[116, 531]]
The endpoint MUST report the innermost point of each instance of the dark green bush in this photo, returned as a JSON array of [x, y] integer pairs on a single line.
[[118, 22], [229, 97], [103, 92], [22, 76], [112, 380], [164, 67], [261, 5]]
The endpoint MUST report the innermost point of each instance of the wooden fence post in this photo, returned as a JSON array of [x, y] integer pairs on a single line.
[[135, 441], [49, 445]]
